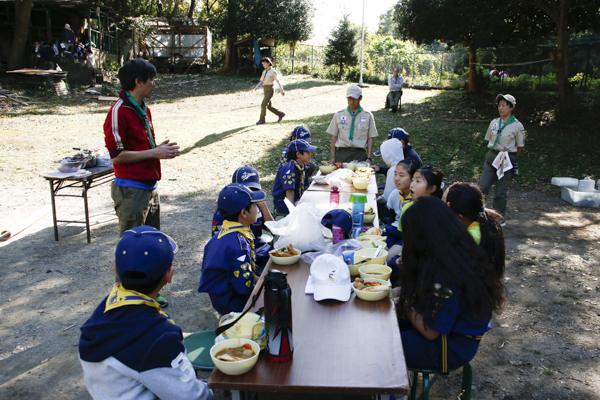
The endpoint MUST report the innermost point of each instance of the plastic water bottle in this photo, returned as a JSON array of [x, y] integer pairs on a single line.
[[358, 201], [334, 197]]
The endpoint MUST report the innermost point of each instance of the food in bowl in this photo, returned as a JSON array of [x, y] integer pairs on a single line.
[[369, 238], [360, 183], [371, 289], [376, 271], [327, 169], [240, 353], [372, 244], [287, 251], [374, 231], [370, 253], [235, 367]]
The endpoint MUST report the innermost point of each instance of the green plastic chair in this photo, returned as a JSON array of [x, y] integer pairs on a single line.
[[197, 346], [467, 381]]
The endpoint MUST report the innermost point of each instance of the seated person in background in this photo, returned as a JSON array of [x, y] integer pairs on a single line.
[[248, 177], [300, 132], [47, 54], [408, 150], [448, 290], [338, 219], [395, 84], [130, 348], [391, 151], [68, 39], [466, 201], [292, 179], [228, 265]]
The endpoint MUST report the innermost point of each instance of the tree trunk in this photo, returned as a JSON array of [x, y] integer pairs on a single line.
[[230, 53], [22, 18], [192, 8], [473, 87], [560, 58]]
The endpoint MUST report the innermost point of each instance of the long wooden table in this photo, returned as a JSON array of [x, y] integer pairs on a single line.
[[321, 199], [344, 348], [345, 187], [339, 348]]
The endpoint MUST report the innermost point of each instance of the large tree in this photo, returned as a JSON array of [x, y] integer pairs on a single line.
[[285, 20], [22, 18], [472, 23], [340, 50]]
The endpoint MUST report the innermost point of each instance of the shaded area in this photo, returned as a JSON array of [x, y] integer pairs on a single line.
[[212, 138]]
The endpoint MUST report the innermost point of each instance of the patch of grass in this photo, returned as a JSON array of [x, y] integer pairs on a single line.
[[556, 277], [559, 302], [570, 295], [530, 262], [574, 358], [537, 352], [549, 369]]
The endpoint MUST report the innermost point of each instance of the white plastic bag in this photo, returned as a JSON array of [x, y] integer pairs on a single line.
[[301, 228]]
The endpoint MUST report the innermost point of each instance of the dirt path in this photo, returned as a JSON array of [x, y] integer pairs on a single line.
[[544, 345]]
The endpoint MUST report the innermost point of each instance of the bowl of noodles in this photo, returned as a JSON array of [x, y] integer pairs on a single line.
[[235, 356]]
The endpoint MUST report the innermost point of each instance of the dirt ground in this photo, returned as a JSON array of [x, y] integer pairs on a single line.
[[544, 345]]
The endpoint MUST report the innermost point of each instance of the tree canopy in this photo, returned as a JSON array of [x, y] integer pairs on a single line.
[[341, 46]]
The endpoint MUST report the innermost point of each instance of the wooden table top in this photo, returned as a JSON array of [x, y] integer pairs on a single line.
[[346, 187], [344, 348]]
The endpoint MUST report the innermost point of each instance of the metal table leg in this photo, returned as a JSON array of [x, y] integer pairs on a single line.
[[53, 209], [87, 214]]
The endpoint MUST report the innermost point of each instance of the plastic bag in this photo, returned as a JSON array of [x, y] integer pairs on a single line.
[[301, 228], [336, 249]]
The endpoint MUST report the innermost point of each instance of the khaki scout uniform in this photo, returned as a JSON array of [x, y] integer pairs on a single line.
[[511, 137], [364, 128]]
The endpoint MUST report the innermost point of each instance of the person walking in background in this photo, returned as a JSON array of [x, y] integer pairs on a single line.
[[506, 138], [267, 79], [395, 84], [352, 130]]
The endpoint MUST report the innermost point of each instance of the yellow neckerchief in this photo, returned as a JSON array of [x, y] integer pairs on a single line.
[[119, 297], [301, 173], [245, 231], [405, 199]]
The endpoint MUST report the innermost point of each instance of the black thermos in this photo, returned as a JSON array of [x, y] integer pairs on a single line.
[[278, 316]]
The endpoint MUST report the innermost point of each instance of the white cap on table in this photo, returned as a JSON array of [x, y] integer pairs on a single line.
[[332, 278]]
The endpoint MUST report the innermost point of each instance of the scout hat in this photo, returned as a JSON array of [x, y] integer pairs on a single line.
[[146, 251], [396, 133], [332, 278], [235, 197], [301, 132], [341, 218], [354, 91], [67, 26], [508, 97], [246, 176], [300, 144]]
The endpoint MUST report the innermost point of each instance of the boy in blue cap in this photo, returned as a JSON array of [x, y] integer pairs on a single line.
[[229, 260], [130, 348], [299, 132], [292, 179], [408, 150], [248, 176]]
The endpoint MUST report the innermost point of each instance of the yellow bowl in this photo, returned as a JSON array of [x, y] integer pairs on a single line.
[[367, 238], [374, 296], [234, 367], [372, 244], [364, 171], [375, 271], [369, 218], [354, 268], [369, 253], [360, 183], [327, 169], [285, 260]]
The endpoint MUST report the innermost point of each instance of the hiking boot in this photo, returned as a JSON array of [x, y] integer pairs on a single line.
[[260, 122], [281, 116]]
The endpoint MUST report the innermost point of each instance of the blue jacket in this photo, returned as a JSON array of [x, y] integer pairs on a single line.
[[136, 351], [290, 176], [228, 268]]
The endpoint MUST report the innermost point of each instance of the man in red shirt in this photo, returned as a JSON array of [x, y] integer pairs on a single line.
[[129, 138]]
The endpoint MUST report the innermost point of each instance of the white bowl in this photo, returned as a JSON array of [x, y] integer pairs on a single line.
[[234, 367], [327, 169], [375, 271], [372, 244], [373, 296], [285, 260], [319, 180]]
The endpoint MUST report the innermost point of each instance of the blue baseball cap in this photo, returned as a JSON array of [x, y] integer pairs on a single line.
[[341, 218], [247, 176], [299, 144], [396, 133], [146, 251], [301, 132], [234, 197]]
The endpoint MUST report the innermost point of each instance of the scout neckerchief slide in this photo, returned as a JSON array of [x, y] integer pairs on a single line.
[[119, 297], [142, 113], [353, 115], [500, 127]]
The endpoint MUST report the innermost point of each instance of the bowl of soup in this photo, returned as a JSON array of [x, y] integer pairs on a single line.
[[370, 253], [375, 271], [371, 289], [285, 255], [235, 356]]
